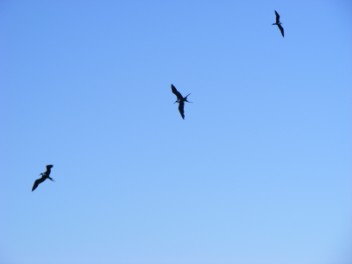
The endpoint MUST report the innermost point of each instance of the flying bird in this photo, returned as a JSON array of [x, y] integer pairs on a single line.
[[45, 175], [278, 23], [180, 100]]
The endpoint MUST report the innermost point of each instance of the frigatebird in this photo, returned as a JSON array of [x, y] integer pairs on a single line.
[[278, 23], [180, 100], [45, 175]]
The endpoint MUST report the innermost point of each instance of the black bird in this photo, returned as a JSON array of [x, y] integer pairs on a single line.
[[180, 100], [278, 23], [45, 175]]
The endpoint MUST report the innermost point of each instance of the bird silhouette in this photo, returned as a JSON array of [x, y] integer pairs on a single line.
[[278, 23], [45, 175], [180, 100]]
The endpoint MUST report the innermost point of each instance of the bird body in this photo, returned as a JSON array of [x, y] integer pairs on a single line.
[[45, 175], [180, 100], [279, 24]]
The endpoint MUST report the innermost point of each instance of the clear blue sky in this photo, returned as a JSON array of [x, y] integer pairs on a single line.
[[259, 172]]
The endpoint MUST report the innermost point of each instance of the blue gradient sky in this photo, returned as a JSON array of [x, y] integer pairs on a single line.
[[259, 172]]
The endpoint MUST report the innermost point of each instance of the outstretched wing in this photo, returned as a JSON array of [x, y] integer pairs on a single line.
[[175, 92], [281, 30], [37, 182], [277, 17], [181, 109]]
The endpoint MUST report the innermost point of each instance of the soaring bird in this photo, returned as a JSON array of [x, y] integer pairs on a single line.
[[180, 100], [278, 23], [45, 175]]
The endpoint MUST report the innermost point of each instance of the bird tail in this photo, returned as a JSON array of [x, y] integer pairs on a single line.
[[50, 178], [187, 99]]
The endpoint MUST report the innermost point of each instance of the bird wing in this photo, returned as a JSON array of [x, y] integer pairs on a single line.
[[281, 30], [37, 182], [181, 106], [48, 169], [277, 17], [175, 92]]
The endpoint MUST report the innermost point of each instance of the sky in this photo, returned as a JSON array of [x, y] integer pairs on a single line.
[[259, 172]]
